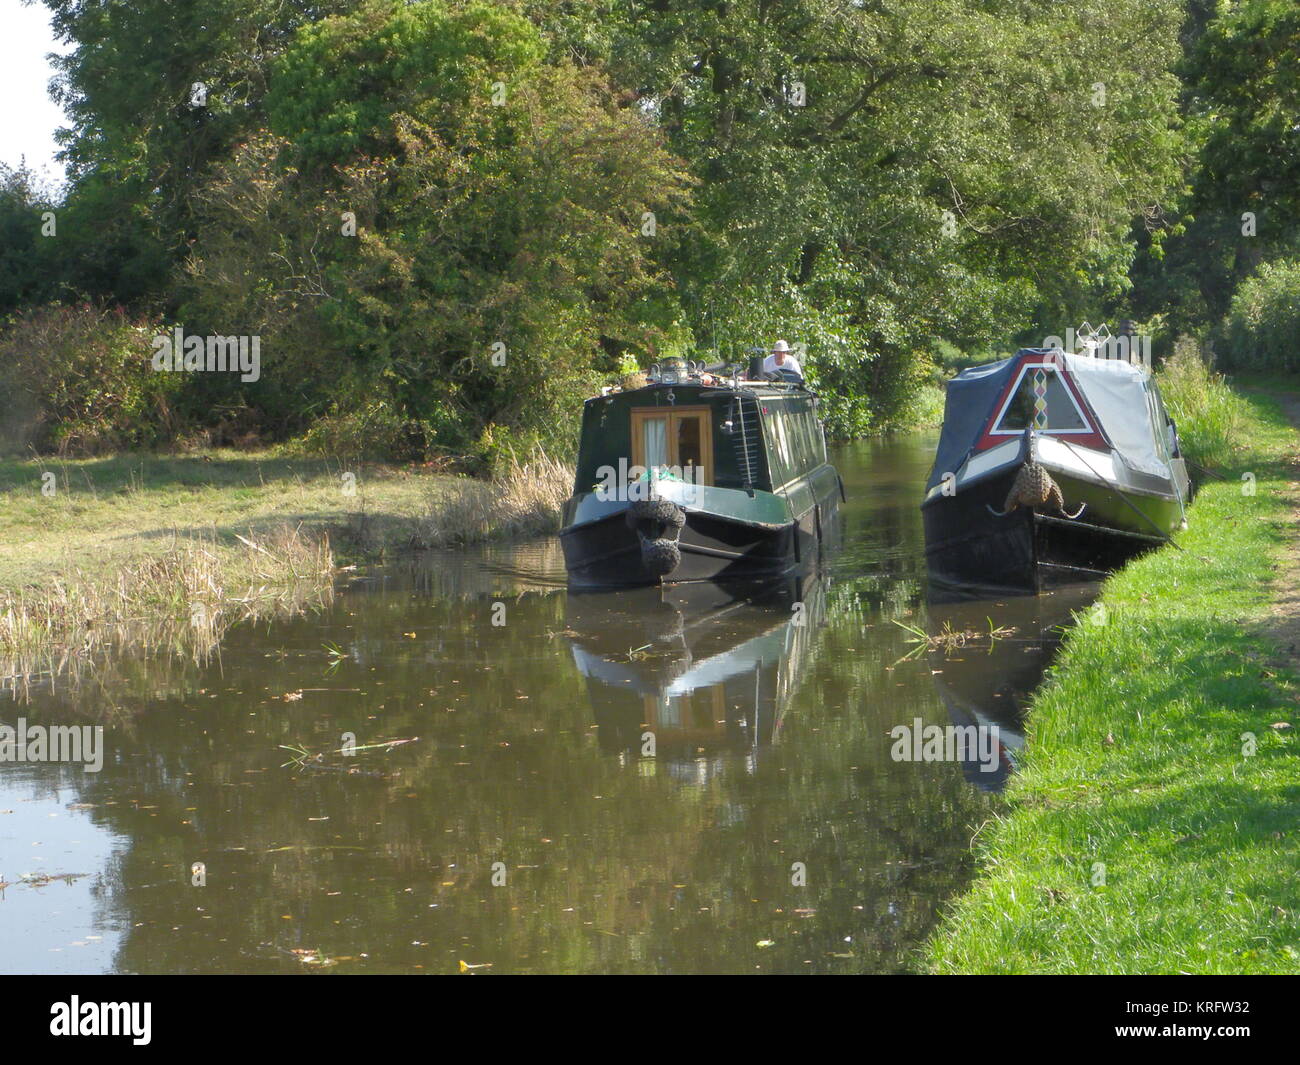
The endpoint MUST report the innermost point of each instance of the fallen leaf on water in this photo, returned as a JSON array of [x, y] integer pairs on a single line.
[[466, 967], [312, 957]]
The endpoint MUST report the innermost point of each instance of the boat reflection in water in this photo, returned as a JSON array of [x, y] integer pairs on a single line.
[[698, 675], [987, 683]]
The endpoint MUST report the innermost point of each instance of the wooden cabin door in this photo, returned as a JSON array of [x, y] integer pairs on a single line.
[[680, 437]]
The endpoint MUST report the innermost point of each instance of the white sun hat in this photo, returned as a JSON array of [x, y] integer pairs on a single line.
[[780, 345]]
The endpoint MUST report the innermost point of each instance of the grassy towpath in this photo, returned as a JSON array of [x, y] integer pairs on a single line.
[[1156, 827], [61, 518]]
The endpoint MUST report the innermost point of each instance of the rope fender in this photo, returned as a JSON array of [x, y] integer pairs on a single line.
[[1032, 488], [658, 524]]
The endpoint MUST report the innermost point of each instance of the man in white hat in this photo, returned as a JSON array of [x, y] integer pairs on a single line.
[[783, 363]]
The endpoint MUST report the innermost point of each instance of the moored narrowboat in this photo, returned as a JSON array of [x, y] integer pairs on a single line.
[[1051, 468], [696, 476]]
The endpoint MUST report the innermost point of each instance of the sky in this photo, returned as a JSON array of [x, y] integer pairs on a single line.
[[28, 117]]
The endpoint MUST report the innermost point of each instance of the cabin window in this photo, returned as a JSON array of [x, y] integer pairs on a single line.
[[816, 445], [1040, 400], [782, 439], [782, 466], [653, 436], [798, 441], [795, 443], [680, 437], [690, 443]]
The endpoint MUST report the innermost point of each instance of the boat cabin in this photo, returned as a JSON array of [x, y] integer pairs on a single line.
[[697, 476], [758, 437]]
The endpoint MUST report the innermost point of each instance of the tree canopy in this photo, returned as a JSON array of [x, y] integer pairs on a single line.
[[457, 217]]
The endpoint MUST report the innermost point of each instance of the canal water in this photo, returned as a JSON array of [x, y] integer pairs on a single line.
[[459, 766]]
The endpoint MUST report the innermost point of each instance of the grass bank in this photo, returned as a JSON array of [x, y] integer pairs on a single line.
[[1156, 825], [159, 551]]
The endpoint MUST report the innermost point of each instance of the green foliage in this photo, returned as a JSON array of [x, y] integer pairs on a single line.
[[336, 90], [1248, 82], [949, 172], [1240, 202], [480, 224], [79, 380], [140, 143], [864, 179], [371, 431], [1209, 415], [1262, 331], [24, 268]]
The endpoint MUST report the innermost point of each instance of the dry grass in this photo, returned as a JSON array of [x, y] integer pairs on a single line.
[[183, 599], [163, 554], [949, 639], [111, 512], [524, 500]]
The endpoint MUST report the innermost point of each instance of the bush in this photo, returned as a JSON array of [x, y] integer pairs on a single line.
[[1263, 327], [501, 448], [374, 432], [79, 380], [1207, 413]]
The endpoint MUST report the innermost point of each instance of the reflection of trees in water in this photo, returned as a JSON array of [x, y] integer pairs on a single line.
[[395, 860], [874, 600], [108, 692]]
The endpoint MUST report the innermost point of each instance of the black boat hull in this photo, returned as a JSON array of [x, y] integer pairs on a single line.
[[1024, 551], [607, 553]]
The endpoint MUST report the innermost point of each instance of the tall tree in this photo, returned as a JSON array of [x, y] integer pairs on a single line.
[[155, 91], [877, 174], [496, 200]]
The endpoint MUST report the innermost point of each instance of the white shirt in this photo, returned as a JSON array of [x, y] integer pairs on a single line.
[[791, 363]]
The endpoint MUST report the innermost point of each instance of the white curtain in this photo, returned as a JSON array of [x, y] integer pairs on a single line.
[[654, 442]]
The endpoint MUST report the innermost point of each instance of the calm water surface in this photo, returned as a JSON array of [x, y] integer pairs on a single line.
[[683, 781]]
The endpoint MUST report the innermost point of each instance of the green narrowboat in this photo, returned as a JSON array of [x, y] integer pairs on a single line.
[[1051, 468], [698, 476]]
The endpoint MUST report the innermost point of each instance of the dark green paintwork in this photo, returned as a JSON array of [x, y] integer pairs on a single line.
[[607, 433], [780, 489]]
